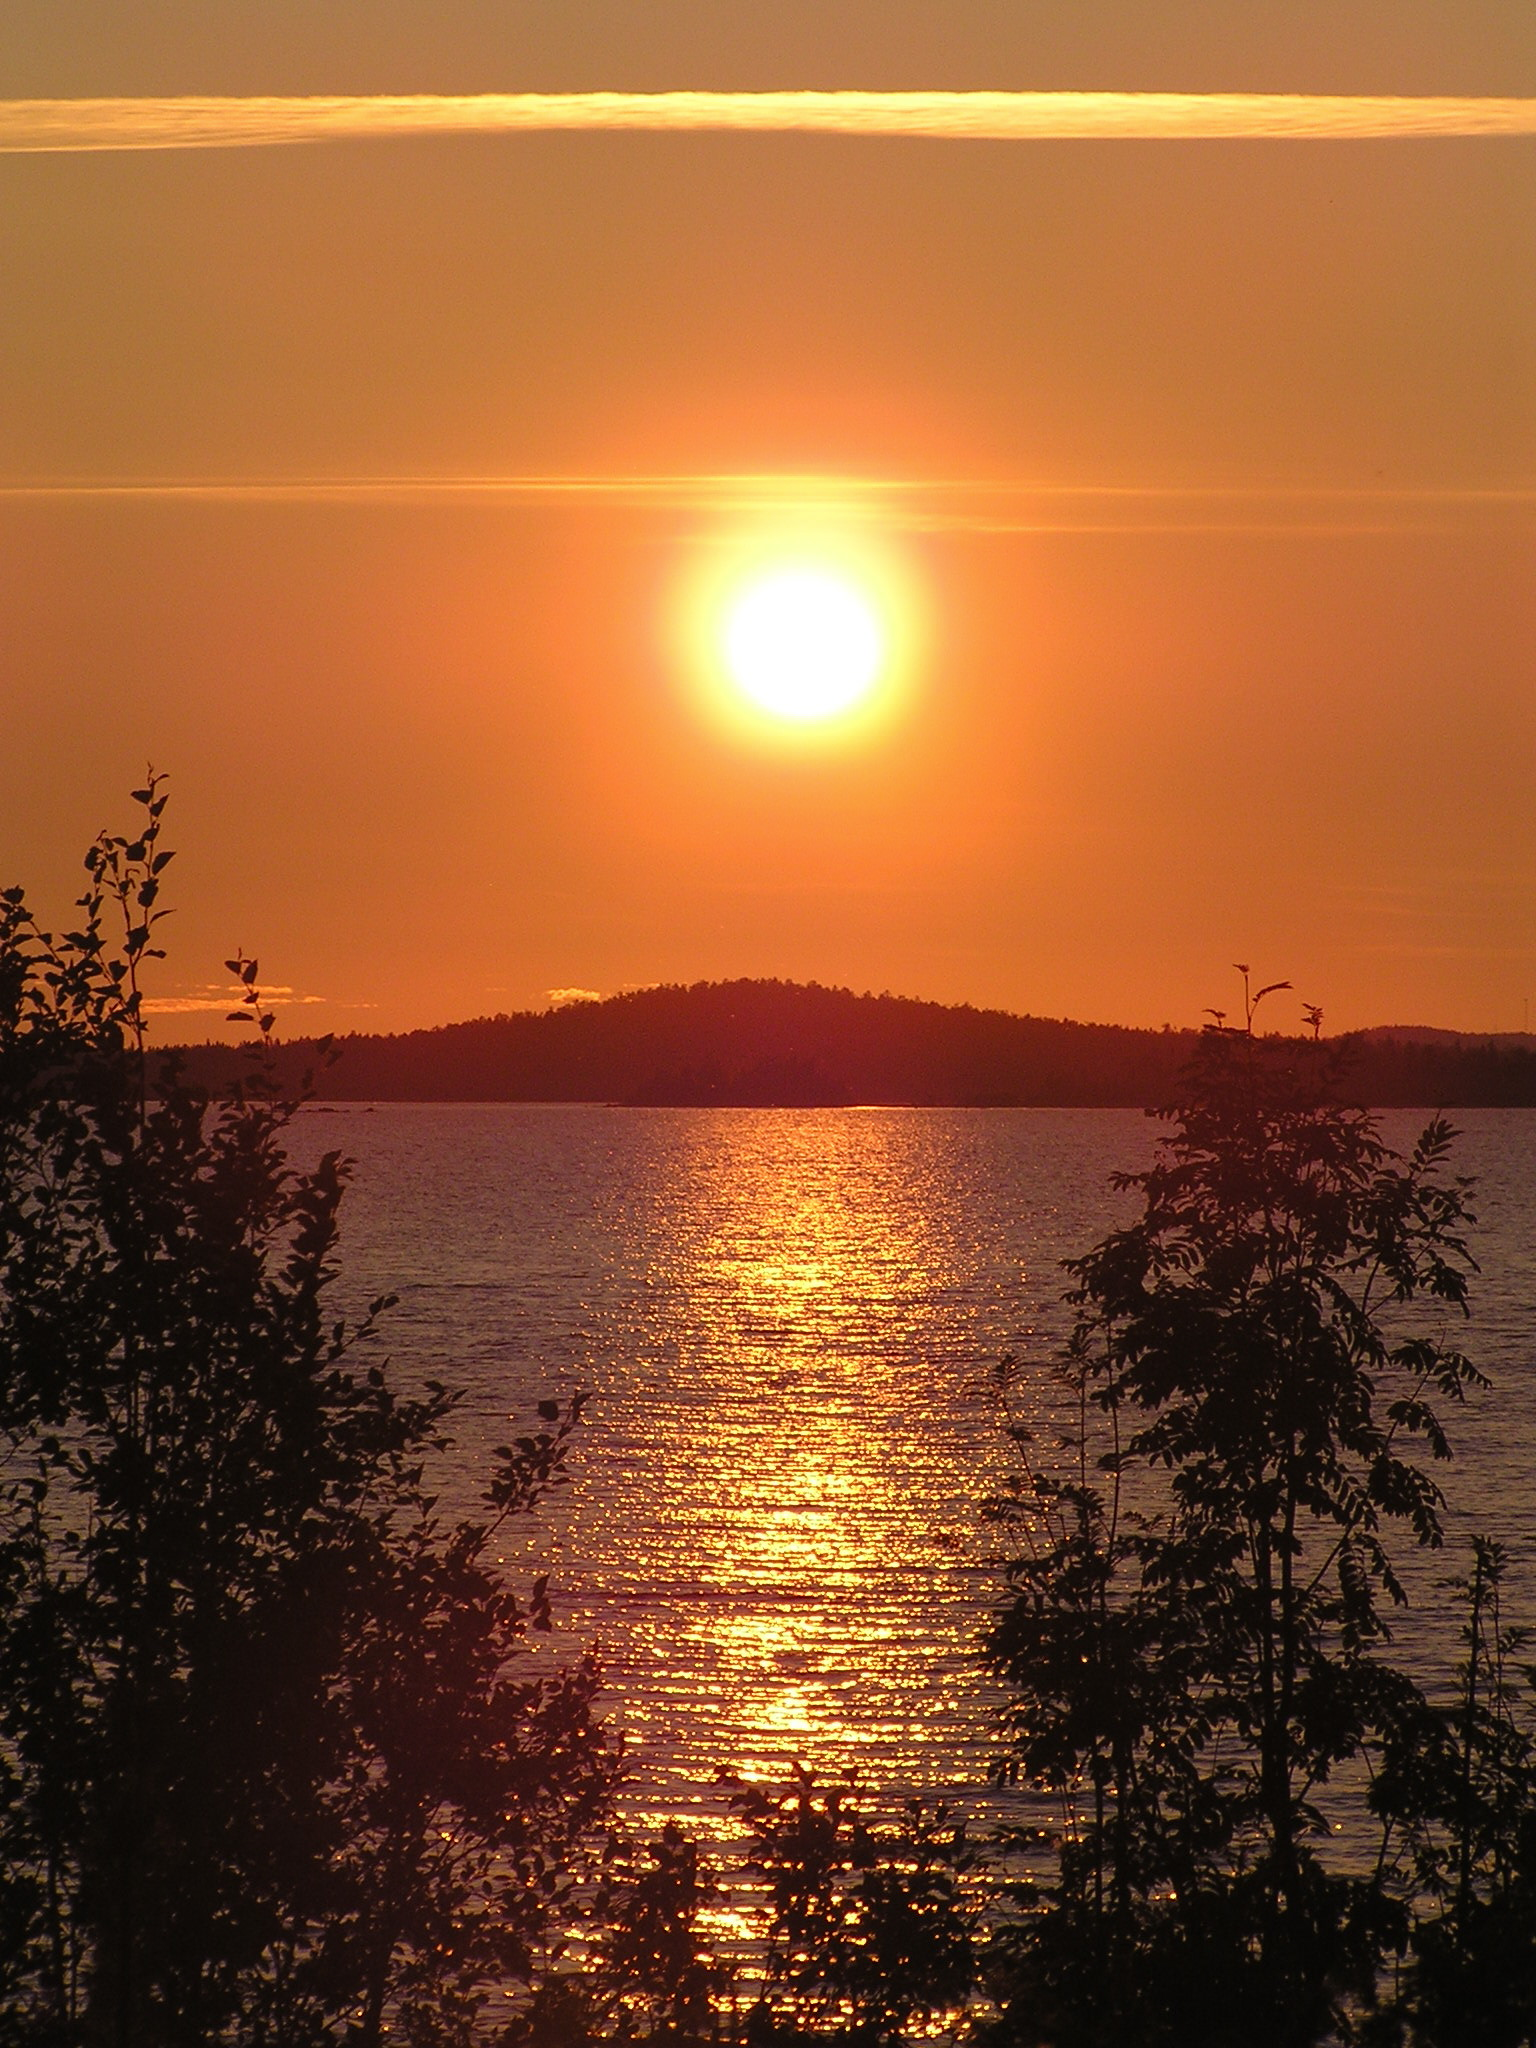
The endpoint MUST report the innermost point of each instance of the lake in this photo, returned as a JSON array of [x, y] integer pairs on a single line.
[[786, 1321]]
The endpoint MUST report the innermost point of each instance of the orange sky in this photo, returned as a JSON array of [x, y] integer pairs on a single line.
[[435, 755]]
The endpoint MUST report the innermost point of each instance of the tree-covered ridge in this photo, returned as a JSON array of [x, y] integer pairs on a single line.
[[761, 1043]]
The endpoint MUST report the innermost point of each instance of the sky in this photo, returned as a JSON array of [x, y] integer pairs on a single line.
[[369, 487]]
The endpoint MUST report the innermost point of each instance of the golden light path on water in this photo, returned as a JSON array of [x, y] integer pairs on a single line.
[[793, 1482], [785, 1319]]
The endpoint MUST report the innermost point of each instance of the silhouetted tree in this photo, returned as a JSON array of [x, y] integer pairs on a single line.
[[868, 1936], [274, 1765], [1458, 1784], [870, 1929], [1194, 1642]]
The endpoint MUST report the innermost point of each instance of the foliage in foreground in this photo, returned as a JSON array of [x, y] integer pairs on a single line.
[[274, 1765], [870, 1932], [1195, 1643]]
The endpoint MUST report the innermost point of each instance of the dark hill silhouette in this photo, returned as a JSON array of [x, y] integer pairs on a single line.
[[1436, 1034], [759, 1043]]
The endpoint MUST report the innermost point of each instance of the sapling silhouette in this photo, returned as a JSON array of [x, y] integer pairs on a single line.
[[1458, 1786], [1194, 1641], [865, 1937], [871, 1930], [273, 1764]]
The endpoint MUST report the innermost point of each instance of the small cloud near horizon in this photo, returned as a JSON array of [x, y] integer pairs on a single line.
[[561, 998], [224, 996]]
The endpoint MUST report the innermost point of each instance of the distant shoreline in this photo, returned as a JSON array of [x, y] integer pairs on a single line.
[[775, 1044]]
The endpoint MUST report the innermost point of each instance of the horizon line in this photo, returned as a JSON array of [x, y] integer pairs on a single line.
[[215, 121]]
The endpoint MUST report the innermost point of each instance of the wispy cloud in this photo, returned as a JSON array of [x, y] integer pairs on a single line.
[[214, 997], [560, 998], [916, 505], [684, 492], [212, 123]]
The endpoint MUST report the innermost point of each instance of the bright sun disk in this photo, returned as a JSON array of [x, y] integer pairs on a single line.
[[803, 643]]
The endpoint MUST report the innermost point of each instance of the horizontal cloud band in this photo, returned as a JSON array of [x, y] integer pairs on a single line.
[[209, 123], [916, 505]]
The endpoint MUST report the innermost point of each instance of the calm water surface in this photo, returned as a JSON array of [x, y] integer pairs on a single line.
[[786, 1320]]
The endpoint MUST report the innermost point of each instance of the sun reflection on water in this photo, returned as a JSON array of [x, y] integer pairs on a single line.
[[813, 1456], [784, 1319]]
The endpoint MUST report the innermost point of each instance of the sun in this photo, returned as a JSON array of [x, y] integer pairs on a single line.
[[801, 634], [803, 642]]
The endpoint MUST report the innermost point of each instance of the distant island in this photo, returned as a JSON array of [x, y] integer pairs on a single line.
[[757, 1044]]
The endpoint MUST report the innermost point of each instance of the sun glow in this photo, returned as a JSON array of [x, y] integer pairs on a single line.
[[803, 642], [805, 633]]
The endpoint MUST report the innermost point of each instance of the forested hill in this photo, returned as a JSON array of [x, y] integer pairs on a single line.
[[772, 1042]]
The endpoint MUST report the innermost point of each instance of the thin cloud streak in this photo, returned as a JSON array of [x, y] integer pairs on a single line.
[[214, 997], [912, 505], [214, 123]]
